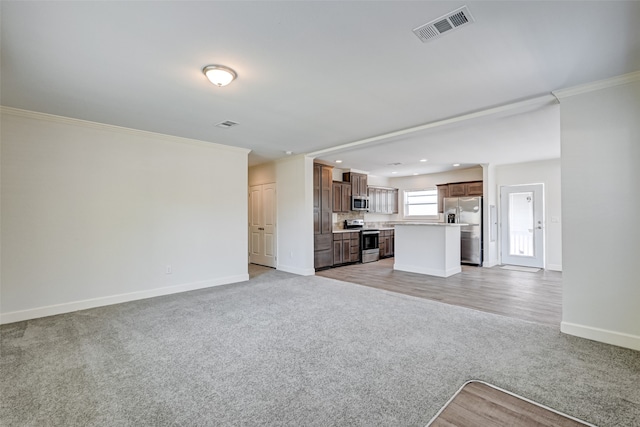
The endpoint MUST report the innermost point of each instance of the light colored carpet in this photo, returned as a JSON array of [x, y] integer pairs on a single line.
[[282, 350], [518, 268]]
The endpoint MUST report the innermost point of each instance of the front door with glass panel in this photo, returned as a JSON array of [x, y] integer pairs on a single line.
[[522, 220]]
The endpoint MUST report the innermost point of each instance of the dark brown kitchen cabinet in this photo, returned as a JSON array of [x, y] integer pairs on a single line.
[[341, 196], [358, 183], [346, 248], [354, 252], [322, 215], [460, 189], [322, 254], [387, 243], [475, 188]]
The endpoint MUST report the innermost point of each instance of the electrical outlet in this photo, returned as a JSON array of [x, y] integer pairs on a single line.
[[168, 270]]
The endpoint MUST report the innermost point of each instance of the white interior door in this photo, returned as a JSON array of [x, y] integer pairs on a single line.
[[262, 224], [522, 225]]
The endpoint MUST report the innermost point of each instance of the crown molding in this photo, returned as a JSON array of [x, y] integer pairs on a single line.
[[119, 129], [597, 85]]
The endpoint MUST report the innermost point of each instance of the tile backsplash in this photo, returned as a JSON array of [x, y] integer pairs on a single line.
[[339, 219]]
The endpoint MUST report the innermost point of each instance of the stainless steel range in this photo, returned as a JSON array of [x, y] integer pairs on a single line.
[[369, 240], [370, 245]]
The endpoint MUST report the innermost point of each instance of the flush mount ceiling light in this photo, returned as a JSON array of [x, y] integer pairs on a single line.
[[219, 75]]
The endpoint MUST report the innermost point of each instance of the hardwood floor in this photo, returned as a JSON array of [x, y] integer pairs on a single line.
[[535, 297], [479, 404]]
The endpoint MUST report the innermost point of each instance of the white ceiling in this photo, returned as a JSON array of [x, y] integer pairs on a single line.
[[316, 75]]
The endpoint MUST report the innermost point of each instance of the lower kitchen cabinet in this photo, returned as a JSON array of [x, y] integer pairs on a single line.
[[387, 243], [346, 248], [322, 255]]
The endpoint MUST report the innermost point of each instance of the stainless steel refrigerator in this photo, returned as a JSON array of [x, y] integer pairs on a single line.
[[466, 210]]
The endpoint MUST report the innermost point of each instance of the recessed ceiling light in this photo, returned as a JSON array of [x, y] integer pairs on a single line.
[[394, 172], [455, 165], [219, 75], [338, 161], [423, 160], [415, 174], [288, 153]]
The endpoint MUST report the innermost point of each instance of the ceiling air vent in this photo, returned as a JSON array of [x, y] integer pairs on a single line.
[[450, 21], [226, 124]]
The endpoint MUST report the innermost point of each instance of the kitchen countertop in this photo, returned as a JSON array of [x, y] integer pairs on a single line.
[[357, 230], [432, 223]]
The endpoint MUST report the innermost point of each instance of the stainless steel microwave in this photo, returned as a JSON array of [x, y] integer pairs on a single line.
[[359, 203]]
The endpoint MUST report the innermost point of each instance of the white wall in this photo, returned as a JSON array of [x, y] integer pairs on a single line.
[[491, 249], [93, 214], [600, 206], [545, 172], [264, 173], [295, 215], [294, 194]]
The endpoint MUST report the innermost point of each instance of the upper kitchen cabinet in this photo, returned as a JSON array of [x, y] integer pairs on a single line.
[[341, 196], [383, 200], [463, 189], [358, 183], [458, 189], [443, 191], [475, 188]]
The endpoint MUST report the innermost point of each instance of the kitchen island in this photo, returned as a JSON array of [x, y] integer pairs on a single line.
[[428, 248]]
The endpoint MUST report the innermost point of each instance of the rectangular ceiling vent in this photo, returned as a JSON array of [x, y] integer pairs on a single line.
[[451, 21], [226, 124]]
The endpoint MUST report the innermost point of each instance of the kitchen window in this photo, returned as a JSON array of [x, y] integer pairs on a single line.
[[421, 203]]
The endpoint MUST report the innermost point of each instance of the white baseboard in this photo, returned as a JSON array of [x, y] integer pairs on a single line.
[[51, 310], [296, 270], [554, 267], [602, 335], [428, 271]]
